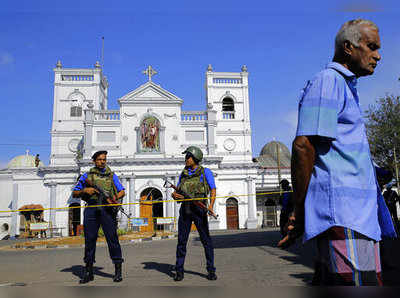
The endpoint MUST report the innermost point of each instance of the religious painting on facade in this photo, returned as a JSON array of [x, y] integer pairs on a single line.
[[150, 135]]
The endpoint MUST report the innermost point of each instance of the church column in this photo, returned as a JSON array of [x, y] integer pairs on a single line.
[[138, 138], [214, 224], [251, 205], [176, 204], [132, 197], [169, 205], [211, 125], [14, 216], [88, 136], [124, 219], [162, 140], [52, 205]]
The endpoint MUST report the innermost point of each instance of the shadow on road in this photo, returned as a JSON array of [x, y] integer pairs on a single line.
[[266, 241], [168, 269], [77, 270], [305, 254]]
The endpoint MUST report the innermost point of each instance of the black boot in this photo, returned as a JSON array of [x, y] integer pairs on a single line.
[[178, 276], [211, 275], [118, 272], [87, 274]]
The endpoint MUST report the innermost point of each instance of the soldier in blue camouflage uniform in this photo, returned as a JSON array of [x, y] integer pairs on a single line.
[[94, 217], [197, 182]]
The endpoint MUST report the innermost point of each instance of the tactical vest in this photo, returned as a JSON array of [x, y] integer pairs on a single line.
[[103, 180], [192, 185]]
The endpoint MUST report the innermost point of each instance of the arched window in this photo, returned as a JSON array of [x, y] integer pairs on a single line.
[[228, 108], [76, 111], [77, 98]]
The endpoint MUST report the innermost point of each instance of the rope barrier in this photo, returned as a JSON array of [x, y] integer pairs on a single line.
[[145, 202]]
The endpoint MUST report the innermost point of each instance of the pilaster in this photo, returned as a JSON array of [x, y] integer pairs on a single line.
[[251, 204], [14, 216], [88, 130]]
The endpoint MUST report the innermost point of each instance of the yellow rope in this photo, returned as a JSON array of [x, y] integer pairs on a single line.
[[138, 203]]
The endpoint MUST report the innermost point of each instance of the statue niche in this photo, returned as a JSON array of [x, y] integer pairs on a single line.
[[150, 135]]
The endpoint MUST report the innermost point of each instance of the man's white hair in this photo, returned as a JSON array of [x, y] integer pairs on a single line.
[[351, 31]]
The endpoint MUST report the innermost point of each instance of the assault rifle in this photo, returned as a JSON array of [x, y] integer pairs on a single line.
[[198, 203], [106, 198]]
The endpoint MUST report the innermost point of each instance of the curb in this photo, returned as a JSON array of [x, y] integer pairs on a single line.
[[17, 246]]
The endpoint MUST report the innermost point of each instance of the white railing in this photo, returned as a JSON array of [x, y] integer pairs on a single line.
[[77, 77], [228, 115], [191, 116], [107, 115], [227, 81]]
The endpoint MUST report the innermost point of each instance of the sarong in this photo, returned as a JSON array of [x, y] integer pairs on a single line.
[[346, 257]]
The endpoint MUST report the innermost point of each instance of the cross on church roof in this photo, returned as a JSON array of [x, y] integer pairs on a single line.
[[150, 72]]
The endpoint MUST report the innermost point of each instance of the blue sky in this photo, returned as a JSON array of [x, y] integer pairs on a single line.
[[282, 45]]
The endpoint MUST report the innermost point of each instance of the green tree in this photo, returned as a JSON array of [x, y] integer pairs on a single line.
[[383, 130]]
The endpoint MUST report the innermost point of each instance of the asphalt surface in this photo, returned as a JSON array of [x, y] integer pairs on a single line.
[[242, 258]]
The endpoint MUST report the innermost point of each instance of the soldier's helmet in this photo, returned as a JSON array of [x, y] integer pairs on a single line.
[[284, 183], [195, 151]]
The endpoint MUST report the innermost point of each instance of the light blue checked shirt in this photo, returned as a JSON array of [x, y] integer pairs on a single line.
[[343, 189]]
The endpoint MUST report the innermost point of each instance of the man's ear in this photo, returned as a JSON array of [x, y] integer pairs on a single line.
[[348, 48]]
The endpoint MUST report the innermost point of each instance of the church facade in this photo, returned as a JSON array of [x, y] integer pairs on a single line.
[[145, 139]]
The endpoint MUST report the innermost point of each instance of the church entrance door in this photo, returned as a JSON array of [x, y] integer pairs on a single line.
[[74, 219], [150, 210], [232, 214]]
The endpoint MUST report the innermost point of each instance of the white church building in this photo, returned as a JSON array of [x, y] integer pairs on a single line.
[[144, 139]]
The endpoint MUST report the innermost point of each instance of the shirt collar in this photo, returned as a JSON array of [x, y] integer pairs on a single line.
[[349, 76], [192, 170]]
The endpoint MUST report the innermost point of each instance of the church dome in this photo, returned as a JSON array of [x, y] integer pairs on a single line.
[[23, 161], [271, 147], [269, 158]]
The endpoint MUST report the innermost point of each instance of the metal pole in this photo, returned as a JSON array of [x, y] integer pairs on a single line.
[[102, 52], [395, 166], [279, 167]]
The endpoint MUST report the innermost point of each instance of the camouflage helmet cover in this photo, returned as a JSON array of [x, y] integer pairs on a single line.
[[195, 151]]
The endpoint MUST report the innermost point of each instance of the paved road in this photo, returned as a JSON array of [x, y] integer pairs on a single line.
[[243, 258]]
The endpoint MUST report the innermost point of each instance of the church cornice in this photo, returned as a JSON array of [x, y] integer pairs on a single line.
[[106, 123], [134, 97], [149, 161], [64, 132], [201, 123], [245, 132], [249, 165], [80, 84], [58, 169], [76, 71], [146, 102]]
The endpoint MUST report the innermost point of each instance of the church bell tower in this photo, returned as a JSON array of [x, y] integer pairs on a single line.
[[228, 94], [74, 90]]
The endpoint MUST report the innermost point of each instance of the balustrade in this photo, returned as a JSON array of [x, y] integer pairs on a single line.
[[194, 116], [228, 115], [107, 115], [77, 77], [227, 81]]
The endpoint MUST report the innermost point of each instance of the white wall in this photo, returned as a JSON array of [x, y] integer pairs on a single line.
[[6, 195]]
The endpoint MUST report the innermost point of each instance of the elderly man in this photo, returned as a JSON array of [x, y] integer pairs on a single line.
[[336, 196]]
